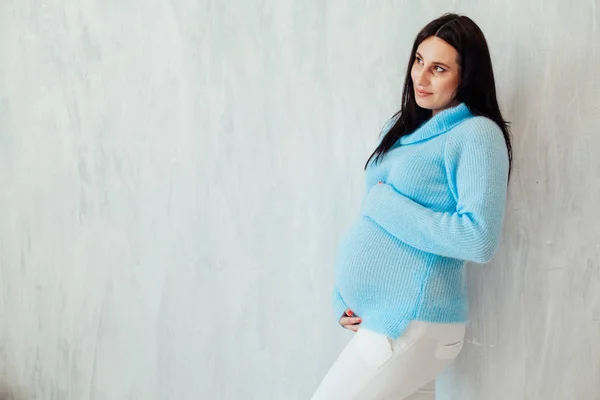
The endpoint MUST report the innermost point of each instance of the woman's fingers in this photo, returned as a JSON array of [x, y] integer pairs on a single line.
[[350, 321], [352, 327]]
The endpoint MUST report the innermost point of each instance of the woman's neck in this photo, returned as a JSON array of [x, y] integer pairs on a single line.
[[453, 103]]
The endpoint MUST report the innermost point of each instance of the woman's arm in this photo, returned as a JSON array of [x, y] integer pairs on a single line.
[[477, 168]]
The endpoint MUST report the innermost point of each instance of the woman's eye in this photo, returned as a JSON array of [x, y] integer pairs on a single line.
[[440, 69], [418, 60]]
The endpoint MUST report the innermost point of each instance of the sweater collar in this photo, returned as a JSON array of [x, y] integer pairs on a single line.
[[441, 122]]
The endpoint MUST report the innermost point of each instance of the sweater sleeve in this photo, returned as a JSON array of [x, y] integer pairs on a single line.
[[476, 161]]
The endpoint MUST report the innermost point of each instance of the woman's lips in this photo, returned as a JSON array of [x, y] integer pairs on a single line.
[[422, 94]]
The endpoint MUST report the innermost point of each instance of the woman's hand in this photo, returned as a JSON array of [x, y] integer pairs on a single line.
[[348, 320]]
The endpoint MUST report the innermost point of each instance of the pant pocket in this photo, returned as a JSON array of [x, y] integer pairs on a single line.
[[449, 351], [375, 349]]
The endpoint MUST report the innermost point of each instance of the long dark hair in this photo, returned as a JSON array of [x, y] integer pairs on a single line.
[[477, 88]]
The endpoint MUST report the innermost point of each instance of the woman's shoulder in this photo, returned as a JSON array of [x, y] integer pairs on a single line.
[[478, 134], [478, 124], [477, 128]]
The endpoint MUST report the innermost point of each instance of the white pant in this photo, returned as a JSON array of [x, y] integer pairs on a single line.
[[374, 367]]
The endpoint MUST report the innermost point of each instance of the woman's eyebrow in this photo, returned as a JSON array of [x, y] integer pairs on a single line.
[[434, 62]]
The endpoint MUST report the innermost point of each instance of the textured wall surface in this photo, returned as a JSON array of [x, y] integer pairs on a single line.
[[175, 176]]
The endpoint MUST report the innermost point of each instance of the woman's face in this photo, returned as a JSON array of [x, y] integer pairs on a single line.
[[435, 75]]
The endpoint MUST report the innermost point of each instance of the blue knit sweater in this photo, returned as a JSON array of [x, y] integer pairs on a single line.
[[441, 204]]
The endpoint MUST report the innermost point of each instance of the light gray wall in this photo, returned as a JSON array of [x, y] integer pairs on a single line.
[[175, 177]]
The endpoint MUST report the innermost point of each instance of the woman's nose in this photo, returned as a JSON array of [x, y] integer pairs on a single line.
[[422, 79]]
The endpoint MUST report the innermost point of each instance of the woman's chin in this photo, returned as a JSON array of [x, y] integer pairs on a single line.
[[424, 103]]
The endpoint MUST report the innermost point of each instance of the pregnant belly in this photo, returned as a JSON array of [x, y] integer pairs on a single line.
[[373, 268]]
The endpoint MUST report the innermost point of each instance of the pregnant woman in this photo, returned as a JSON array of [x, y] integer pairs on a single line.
[[435, 196]]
